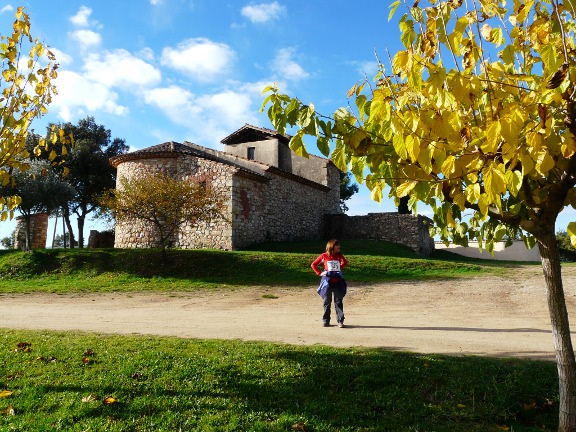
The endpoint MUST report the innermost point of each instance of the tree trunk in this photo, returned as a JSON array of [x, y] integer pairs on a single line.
[[69, 225], [28, 245], [81, 220], [561, 330]]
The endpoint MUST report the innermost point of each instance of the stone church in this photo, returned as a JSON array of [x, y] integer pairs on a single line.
[[273, 194]]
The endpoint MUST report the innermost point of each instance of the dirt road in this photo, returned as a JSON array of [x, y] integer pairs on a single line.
[[482, 316]]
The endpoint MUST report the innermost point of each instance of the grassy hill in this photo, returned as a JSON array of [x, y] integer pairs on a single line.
[[286, 264]]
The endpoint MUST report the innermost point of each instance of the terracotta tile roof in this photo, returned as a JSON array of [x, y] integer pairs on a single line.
[[251, 168], [249, 133], [172, 149]]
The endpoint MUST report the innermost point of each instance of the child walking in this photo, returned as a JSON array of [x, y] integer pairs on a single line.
[[333, 283]]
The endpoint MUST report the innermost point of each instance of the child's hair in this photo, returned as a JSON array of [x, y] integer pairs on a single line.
[[330, 246]]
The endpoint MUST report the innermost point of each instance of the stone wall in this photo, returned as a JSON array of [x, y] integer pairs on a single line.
[[215, 234], [266, 205], [38, 227], [104, 239], [406, 229]]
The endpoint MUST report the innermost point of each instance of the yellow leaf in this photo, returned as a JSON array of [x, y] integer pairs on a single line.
[[425, 159], [459, 199], [493, 134], [376, 192], [494, 182], [405, 188], [544, 163], [400, 146], [448, 167], [514, 180], [461, 405], [402, 63], [571, 230], [5, 393], [472, 193], [413, 147], [109, 400], [52, 155], [527, 164]]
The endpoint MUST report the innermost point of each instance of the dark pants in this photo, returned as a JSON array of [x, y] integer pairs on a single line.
[[334, 290]]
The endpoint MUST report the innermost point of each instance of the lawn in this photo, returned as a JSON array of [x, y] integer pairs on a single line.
[[274, 264], [80, 382]]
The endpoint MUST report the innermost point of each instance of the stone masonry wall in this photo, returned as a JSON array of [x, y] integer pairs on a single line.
[[269, 206], [281, 209], [406, 229], [38, 227], [216, 234]]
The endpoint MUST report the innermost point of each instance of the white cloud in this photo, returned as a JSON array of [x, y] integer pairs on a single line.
[[156, 2], [86, 38], [200, 58], [263, 12], [7, 8], [177, 103], [81, 19], [120, 68], [229, 108], [146, 54], [368, 68], [286, 67], [210, 117], [78, 95]]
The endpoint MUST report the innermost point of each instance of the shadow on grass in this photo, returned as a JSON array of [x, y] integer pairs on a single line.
[[213, 385], [238, 268]]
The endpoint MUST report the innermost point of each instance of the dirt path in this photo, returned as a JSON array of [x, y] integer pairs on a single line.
[[482, 316]]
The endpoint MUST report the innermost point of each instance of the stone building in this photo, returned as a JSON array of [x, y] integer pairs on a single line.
[[38, 231], [272, 193]]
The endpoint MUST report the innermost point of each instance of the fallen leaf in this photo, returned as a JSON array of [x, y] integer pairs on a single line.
[[137, 375], [461, 406], [90, 398], [23, 347], [89, 352], [108, 400], [40, 358], [530, 406], [52, 359], [300, 426], [86, 360], [9, 411], [5, 393], [504, 428]]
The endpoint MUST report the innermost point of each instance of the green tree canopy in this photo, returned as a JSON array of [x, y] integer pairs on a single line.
[[477, 112], [87, 167], [41, 190], [347, 189]]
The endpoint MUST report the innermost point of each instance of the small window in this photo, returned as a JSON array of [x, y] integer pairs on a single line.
[[251, 153]]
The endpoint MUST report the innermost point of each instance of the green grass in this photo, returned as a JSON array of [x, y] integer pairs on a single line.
[[273, 264], [169, 384]]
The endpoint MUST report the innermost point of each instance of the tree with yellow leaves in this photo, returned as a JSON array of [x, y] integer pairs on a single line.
[[164, 203], [477, 112], [26, 89]]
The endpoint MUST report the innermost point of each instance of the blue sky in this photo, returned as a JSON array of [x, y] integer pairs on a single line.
[[158, 70]]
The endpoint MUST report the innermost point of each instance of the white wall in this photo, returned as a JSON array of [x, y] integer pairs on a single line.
[[516, 252]]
